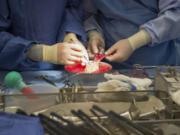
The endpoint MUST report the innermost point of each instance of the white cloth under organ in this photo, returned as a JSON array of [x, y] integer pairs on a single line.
[[91, 67]]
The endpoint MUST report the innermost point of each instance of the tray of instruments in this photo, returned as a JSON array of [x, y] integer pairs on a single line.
[[103, 122], [167, 79], [146, 111], [119, 101]]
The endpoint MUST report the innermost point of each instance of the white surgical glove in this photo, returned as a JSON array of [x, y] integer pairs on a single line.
[[123, 49]]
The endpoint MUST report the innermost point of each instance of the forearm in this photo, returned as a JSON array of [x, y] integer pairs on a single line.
[[43, 53], [13, 51], [92, 24], [139, 39], [73, 20], [90, 16], [166, 26], [35, 53]]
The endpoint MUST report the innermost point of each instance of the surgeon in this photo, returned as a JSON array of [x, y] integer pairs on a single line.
[[145, 32], [39, 35]]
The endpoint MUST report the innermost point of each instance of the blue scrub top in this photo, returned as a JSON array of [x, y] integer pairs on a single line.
[[120, 19], [15, 124], [27, 22]]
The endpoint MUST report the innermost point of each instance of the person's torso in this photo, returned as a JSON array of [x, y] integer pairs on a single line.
[[37, 20], [120, 19]]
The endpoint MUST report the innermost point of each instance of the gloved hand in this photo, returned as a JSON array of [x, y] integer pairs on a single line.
[[95, 44], [69, 53], [60, 53], [72, 38], [120, 51], [123, 49]]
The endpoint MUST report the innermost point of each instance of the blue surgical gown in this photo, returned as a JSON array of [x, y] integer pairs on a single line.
[[120, 19], [14, 124], [27, 22]]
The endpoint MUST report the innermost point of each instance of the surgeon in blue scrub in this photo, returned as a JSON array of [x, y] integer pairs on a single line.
[[40, 34], [145, 32]]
